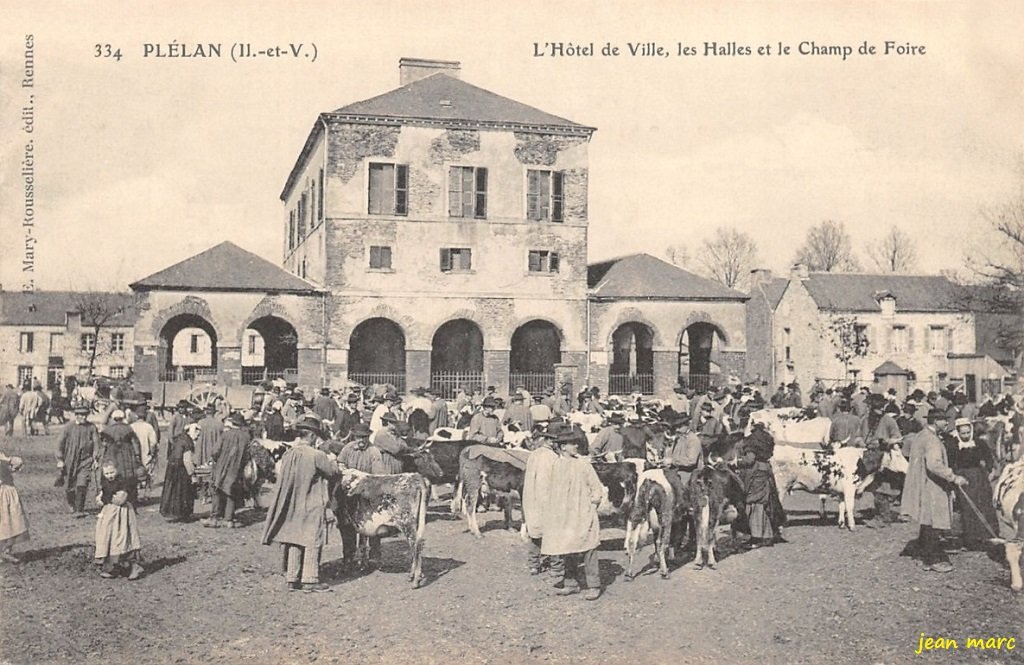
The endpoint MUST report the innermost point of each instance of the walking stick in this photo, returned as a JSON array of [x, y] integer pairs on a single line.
[[977, 512]]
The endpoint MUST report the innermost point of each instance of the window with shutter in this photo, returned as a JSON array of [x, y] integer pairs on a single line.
[[534, 261], [389, 189], [380, 257], [480, 211], [556, 196], [949, 340], [465, 259], [544, 195], [320, 201], [910, 339], [554, 261], [446, 260], [467, 192]]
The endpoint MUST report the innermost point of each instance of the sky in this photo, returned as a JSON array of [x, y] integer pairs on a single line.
[[141, 162]]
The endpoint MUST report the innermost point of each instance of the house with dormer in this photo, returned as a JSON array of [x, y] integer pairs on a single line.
[[914, 323]]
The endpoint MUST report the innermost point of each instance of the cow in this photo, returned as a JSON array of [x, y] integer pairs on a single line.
[[369, 504], [826, 472], [588, 422], [787, 430], [712, 496], [1008, 497], [479, 475], [620, 481]]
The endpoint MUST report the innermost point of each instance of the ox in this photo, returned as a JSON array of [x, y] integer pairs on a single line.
[[712, 496], [620, 481], [825, 472], [787, 430], [369, 504], [1008, 496]]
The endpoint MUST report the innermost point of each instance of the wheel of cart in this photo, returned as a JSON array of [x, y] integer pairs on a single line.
[[204, 396]]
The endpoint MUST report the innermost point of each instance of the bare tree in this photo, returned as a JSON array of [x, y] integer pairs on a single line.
[[828, 248], [98, 310], [728, 257], [896, 252], [849, 339], [678, 255]]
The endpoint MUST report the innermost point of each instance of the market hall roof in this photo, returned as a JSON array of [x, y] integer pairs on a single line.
[[858, 292], [643, 276], [225, 267], [51, 308]]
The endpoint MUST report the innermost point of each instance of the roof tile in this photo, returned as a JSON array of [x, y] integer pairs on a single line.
[[644, 276]]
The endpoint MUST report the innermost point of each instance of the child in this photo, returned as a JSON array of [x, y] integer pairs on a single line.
[[13, 523], [117, 528]]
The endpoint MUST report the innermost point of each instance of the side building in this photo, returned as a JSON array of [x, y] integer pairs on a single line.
[[52, 335], [912, 326]]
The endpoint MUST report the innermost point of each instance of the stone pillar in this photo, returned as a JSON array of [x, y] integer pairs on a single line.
[[229, 365], [311, 367], [666, 368], [568, 380], [417, 368], [599, 366], [496, 369]]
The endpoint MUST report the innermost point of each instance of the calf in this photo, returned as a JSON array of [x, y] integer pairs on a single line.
[[369, 504], [659, 509], [478, 477], [717, 497], [827, 472], [1008, 496]]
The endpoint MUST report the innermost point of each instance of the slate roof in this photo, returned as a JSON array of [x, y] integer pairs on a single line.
[[225, 267], [645, 276], [889, 368], [443, 97], [774, 290], [50, 308], [855, 292]]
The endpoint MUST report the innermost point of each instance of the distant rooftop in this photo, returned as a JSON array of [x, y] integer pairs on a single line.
[[645, 276], [225, 267], [51, 308], [858, 292]]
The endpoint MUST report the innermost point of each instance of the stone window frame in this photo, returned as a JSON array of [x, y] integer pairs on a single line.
[[381, 268], [117, 372], [479, 194], [26, 341], [451, 269], [26, 374], [555, 209], [87, 342], [549, 262], [400, 202], [58, 348], [115, 338]]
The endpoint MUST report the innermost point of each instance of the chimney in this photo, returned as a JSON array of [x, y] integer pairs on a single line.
[[414, 69], [799, 272], [759, 276]]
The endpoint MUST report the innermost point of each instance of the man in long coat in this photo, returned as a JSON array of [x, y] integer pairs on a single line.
[[77, 448], [28, 407], [926, 492], [208, 445], [226, 477], [538, 483], [296, 516], [576, 533]]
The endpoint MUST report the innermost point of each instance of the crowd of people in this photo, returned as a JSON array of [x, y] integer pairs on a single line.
[[371, 430]]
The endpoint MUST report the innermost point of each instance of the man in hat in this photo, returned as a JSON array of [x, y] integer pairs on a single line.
[[683, 453], [361, 455], [926, 493], [859, 402], [576, 533], [909, 421], [635, 437], [226, 477], [209, 437], [540, 412], [179, 419], [879, 433], [678, 400], [326, 408], [484, 426], [778, 400], [149, 441], [609, 440], [348, 417], [76, 456], [28, 406], [827, 403], [519, 415], [709, 428], [845, 426], [592, 402], [538, 485], [296, 518], [390, 445], [554, 402], [438, 410]]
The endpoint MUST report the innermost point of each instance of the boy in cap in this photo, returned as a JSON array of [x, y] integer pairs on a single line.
[[77, 447], [484, 425], [538, 483]]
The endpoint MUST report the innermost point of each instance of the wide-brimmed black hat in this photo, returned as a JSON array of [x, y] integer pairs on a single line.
[[616, 419], [389, 418], [310, 423], [360, 430]]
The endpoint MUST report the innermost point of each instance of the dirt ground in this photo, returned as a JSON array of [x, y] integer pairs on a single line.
[[217, 595]]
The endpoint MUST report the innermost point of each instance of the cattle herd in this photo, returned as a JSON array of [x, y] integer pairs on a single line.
[[638, 493]]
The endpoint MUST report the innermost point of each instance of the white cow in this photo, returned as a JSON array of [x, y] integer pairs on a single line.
[[785, 430], [1008, 497], [824, 472], [587, 422]]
